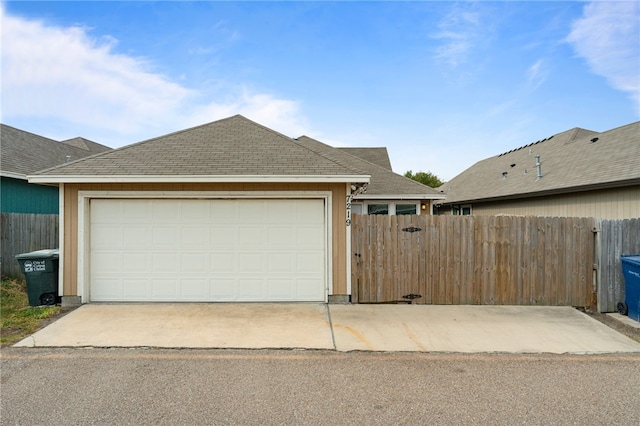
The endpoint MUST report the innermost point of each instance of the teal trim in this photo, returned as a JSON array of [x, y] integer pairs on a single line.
[[19, 196]]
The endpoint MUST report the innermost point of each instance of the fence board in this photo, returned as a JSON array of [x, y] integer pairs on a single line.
[[473, 260], [22, 233], [616, 238]]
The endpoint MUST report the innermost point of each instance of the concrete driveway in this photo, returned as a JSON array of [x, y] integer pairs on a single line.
[[417, 328]]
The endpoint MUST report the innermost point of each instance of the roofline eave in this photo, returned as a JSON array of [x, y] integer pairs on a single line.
[[557, 191], [13, 175], [198, 178], [366, 196]]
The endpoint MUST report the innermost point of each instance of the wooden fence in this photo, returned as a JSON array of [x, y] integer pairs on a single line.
[[22, 233], [495, 260], [615, 238]]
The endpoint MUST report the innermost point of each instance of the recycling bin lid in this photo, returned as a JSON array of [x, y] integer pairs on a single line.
[[40, 254], [634, 260]]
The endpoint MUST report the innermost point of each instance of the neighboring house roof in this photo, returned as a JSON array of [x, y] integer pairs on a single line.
[[87, 145], [384, 183], [228, 150], [575, 160], [378, 156], [24, 153]]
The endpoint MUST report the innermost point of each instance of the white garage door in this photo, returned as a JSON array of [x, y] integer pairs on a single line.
[[207, 250]]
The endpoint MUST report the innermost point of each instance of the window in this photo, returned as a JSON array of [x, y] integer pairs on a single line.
[[378, 209], [356, 208], [461, 210], [406, 209]]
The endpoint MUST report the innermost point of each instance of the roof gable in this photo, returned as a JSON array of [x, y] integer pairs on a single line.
[[87, 145], [25, 153], [234, 147], [384, 183], [378, 156], [574, 160]]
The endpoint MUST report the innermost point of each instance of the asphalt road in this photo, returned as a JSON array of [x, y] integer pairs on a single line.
[[194, 387]]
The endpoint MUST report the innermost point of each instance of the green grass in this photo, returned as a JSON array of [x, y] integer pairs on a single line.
[[17, 318]]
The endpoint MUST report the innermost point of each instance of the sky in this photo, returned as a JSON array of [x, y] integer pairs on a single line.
[[442, 85]]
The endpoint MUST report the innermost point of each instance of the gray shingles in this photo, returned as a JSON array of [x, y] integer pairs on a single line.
[[570, 161], [24, 153], [378, 156], [234, 146], [383, 181]]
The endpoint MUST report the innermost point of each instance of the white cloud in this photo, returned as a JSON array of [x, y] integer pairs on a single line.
[[461, 31], [536, 74], [279, 114], [608, 37], [65, 75]]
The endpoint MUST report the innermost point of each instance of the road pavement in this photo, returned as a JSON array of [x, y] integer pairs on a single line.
[[219, 387]]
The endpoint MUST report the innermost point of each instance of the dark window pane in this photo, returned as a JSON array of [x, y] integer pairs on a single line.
[[405, 209], [378, 208]]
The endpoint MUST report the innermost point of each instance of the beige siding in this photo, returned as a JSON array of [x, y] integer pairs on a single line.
[[70, 279], [618, 203]]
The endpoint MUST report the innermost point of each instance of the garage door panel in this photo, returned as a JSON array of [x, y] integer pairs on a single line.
[[280, 211], [280, 262], [164, 289], [136, 288], [194, 236], [281, 289], [194, 289], [163, 211], [250, 237], [223, 237], [165, 262], [280, 236], [224, 212], [110, 211], [136, 237], [223, 289], [310, 238], [106, 289], [105, 262], [135, 211], [309, 263], [222, 262], [195, 263], [207, 250], [106, 237], [195, 212], [251, 289], [165, 237], [136, 262], [250, 262], [306, 289]]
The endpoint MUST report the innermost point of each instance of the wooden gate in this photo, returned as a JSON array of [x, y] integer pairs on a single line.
[[495, 260]]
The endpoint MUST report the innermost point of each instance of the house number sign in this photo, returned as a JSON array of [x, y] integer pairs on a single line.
[[357, 191]]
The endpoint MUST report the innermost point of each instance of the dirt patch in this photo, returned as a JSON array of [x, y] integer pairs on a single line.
[[631, 332]]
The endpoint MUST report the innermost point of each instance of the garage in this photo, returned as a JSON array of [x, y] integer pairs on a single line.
[[207, 250]]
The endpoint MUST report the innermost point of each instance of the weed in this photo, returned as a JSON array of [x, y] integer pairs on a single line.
[[17, 318]]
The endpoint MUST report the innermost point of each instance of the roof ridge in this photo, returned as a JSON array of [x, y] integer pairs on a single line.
[[26, 131], [368, 163], [295, 140]]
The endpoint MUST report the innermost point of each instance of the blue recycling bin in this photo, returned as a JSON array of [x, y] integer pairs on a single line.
[[631, 272]]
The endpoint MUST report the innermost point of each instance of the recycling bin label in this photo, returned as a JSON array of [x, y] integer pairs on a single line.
[[34, 266]]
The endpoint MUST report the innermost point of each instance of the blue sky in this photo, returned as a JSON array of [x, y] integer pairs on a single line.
[[441, 84]]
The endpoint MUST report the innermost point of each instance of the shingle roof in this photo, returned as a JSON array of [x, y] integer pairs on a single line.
[[234, 146], [378, 156], [87, 145], [574, 160], [24, 153], [383, 181]]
